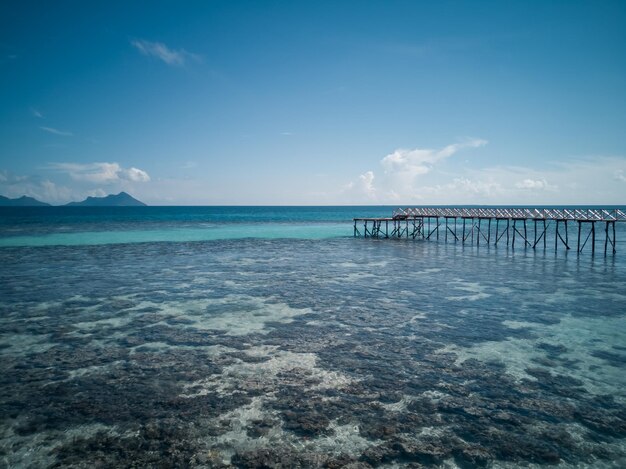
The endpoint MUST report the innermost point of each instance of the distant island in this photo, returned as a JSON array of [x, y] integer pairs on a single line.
[[112, 200], [119, 200], [23, 201]]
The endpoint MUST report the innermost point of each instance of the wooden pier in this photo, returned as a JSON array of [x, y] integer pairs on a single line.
[[496, 226]]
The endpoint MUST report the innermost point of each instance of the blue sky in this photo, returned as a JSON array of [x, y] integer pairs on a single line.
[[316, 102]]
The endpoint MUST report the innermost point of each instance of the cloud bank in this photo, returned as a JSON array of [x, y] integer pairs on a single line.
[[412, 163], [12, 185], [81, 180], [412, 176], [101, 173], [401, 168]]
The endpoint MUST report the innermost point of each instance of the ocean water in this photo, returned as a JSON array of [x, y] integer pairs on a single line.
[[270, 337]]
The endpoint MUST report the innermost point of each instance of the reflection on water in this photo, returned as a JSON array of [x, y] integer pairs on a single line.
[[312, 353]]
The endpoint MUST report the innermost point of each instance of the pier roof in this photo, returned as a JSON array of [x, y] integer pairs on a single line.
[[513, 213]]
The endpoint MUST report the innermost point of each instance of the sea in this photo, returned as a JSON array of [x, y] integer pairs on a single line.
[[272, 337]]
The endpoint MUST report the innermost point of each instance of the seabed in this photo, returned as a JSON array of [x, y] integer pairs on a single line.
[[310, 353]]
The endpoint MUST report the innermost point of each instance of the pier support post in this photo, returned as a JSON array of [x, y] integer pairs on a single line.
[[514, 230], [614, 239], [593, 237], [542, 235], [463, 236], [497, 226], [508, 222], [421, 225], [556, 236], [472, 232]]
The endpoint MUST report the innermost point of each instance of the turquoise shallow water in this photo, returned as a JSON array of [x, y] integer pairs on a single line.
[[234, 345], [70, 226], [172, 234]]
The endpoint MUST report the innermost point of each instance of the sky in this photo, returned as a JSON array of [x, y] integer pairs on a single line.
[[315, 103]]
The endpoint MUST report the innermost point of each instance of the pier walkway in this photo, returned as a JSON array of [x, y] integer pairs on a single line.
[[511, 225]]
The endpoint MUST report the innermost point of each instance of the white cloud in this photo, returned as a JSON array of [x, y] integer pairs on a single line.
[[96, 193], [421, 161], [366, 184], [134, 174], [411, 177], [37, 113], [479, 188], [582, 181], [400, 170], [13, 186], [164, 53], [460, 190], [9, 178], [535, 184], [110, 175], [57, 132], [403, 167], [362, 189], [101, 173]]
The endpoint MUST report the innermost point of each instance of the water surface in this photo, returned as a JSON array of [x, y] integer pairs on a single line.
[[311, 350]]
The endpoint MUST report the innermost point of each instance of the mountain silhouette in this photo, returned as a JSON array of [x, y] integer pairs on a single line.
[[23, 201], [112, 200]]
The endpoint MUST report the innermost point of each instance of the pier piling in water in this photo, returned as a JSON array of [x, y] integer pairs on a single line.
[[416, 223]]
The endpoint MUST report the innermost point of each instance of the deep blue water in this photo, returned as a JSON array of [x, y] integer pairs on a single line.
[[267, 336], [104, 225], [44, 219]]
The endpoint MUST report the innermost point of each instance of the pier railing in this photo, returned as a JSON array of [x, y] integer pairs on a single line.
[[514, 213], [476, 225]]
